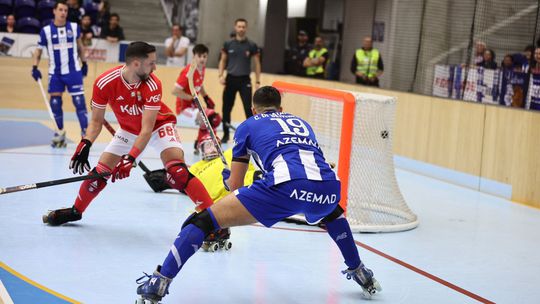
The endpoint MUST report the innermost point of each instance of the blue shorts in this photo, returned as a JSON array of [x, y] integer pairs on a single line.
[[271, 204], [73, 81]]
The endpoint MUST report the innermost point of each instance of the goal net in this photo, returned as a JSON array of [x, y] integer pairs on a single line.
[[355, 132]]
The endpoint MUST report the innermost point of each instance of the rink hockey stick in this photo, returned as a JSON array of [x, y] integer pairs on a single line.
[[51, 183], [51, 115], [111, 130], [197, 101]]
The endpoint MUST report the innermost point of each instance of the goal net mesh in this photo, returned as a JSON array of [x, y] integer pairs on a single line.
[[374, 200]]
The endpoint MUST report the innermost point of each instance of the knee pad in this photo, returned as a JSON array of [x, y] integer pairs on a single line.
[[56, 104], [333, 215], [97, 184], [203, 220], [178, 176], [79, 103]]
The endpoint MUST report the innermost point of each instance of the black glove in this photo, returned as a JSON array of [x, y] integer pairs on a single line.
[[79, 160], [36, 74]]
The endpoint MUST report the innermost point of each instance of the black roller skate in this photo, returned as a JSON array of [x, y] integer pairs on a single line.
[[154, 288], [364, 277], [59, 139], [218, 240], [61, 216]]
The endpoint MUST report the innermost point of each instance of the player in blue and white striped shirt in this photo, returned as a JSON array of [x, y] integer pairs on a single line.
[[61, 40], [297, 179]]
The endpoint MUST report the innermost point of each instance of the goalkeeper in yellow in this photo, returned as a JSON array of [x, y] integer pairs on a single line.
[[208, 171]]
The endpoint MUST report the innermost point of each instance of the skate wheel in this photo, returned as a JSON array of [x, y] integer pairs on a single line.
[[45, 218], [227, 245], [214, 247]]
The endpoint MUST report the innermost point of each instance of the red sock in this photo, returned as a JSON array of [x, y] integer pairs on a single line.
[[198, 194], [90, 188]]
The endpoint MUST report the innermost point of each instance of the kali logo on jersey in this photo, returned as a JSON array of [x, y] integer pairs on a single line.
[[133, 110], [155, 98], [119, 98]]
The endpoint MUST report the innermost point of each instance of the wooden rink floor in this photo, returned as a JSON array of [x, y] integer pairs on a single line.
[[470, 247]]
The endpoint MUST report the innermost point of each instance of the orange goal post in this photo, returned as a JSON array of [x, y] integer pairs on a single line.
[[355, 132]]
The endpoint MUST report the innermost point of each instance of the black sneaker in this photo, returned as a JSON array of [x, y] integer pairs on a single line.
[[225, 139]]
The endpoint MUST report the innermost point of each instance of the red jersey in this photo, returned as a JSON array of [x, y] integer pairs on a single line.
[[182, 83], [128, 101]]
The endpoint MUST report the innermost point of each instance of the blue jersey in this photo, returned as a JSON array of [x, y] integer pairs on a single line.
[[283, 146], [61, 45]]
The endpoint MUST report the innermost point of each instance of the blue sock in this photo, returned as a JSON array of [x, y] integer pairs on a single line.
[[340, 231], [189, 240], [56, 107], [80, 106]]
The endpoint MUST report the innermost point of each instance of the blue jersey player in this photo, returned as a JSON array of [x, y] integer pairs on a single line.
[[297, 179], [61, 40]]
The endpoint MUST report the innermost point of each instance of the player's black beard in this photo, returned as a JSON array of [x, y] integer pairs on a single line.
[[143, 76]]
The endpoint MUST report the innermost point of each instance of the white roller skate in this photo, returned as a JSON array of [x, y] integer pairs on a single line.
[[59, 139], [364, 277], [154, 288], [218, 240]]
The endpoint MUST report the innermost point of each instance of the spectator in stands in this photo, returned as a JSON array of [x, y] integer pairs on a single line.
[[10, 24], [479, 49], [367, 64], [535, 66], [75, 11], [114, 32], [507, 63], [317, 58], [489, 60], [294, 60], [104, 14], [88, 31], [176, 47]]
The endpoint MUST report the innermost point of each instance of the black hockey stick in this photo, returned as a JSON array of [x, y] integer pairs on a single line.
[[51, 183], [215, 141], [110, 128]]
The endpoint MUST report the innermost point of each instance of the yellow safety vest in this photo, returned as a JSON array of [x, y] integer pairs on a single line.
[[314, 70], [367, 62]]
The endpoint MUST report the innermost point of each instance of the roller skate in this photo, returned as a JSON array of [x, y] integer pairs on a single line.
[[217, 240], [154, 288], [364, 277], [59, 139], [61, 216]]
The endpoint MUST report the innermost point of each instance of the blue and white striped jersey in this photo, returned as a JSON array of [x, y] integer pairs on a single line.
[[283, 146], [61, 45]]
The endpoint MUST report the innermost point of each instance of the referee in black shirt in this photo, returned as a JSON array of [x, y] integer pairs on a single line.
[[236, 58]]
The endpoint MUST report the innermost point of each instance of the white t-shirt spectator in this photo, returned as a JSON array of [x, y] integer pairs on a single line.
[[176, 61]]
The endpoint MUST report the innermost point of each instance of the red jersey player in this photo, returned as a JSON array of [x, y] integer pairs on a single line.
[[134, 95], [181, 90]]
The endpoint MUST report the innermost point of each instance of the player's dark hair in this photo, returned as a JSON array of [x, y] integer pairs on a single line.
[[200, 49], [115, 15], [176, 24], [58, 2], [240, 20], [138, 50], [267, 97]]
